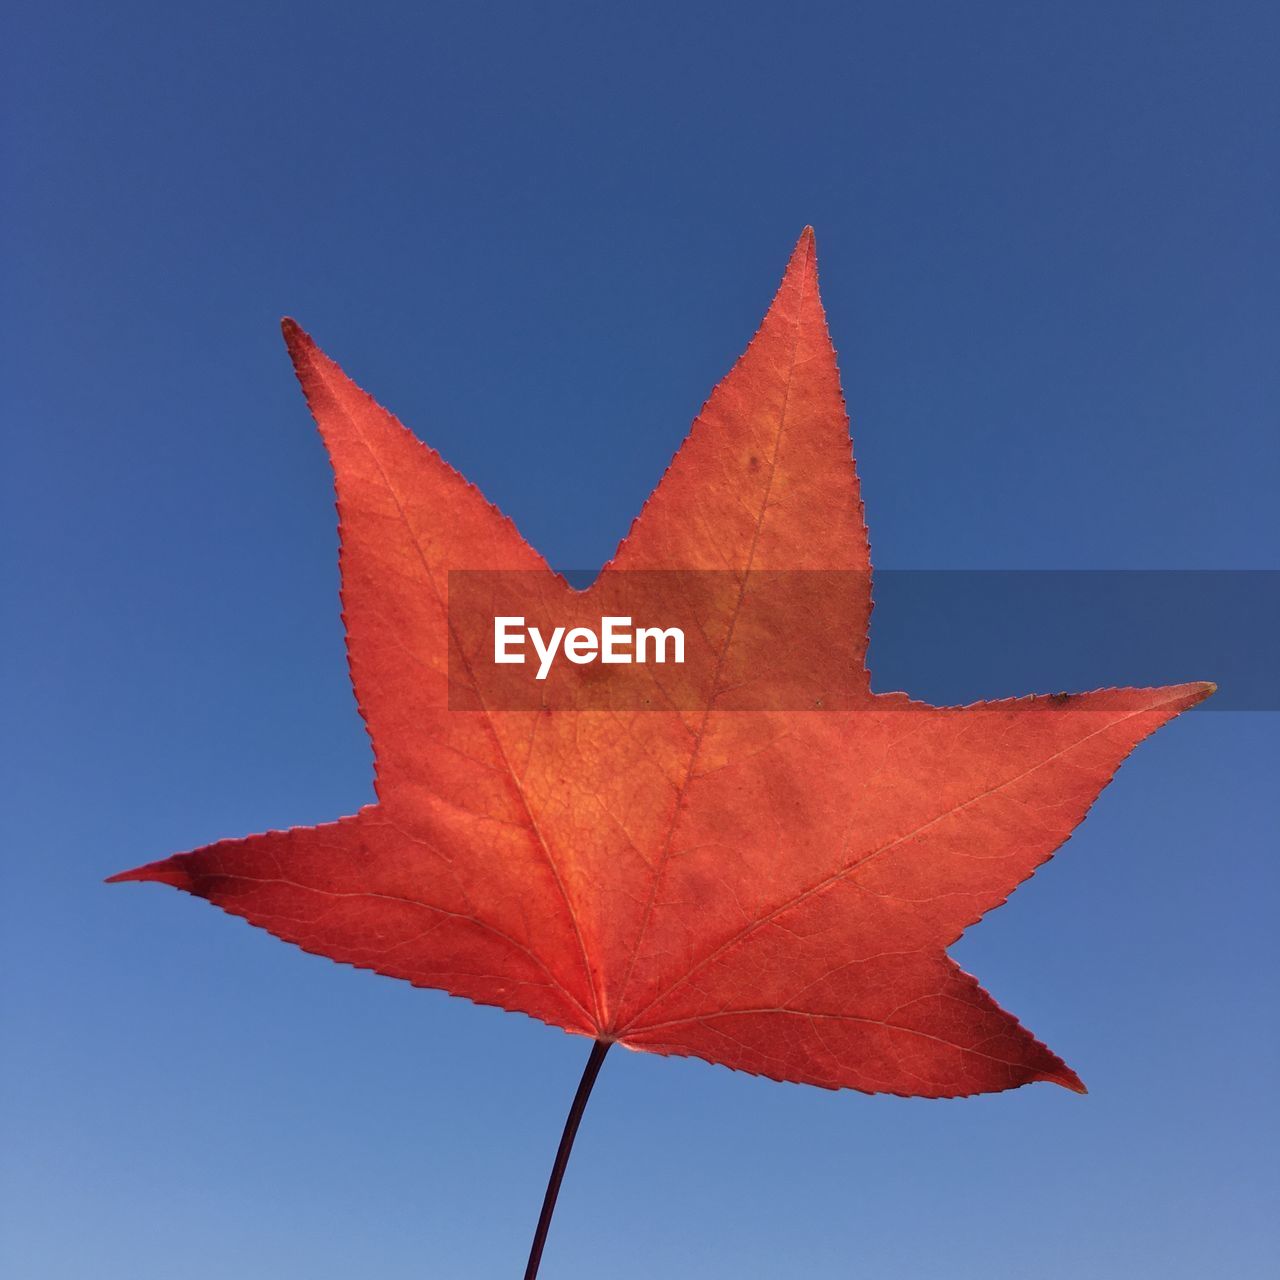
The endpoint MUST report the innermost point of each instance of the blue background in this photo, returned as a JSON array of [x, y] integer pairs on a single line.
[[541, 233]]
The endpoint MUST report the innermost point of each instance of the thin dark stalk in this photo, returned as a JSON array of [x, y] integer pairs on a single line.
[[574, 1118]]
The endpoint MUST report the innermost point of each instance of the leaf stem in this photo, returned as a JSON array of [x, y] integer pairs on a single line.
[[574, 1118]]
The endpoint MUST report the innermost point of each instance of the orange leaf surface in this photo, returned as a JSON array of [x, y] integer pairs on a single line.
[[754, 859]]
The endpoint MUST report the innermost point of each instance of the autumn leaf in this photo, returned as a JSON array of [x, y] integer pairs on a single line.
[[751, 858]]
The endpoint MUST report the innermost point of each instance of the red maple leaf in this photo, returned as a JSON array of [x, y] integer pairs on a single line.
[[754, 859]]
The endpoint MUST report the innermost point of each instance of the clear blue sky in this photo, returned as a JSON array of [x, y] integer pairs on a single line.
[[541, 233]]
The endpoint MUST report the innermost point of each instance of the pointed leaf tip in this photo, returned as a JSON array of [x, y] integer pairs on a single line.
[[804, 257], [296, 338], [165, 871], [1069, 1080], [807, 239], [122, 877], [303, 351], [1191, 695], [807, 242]]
